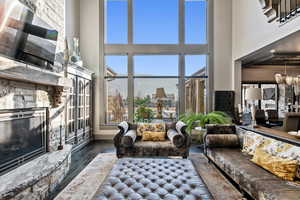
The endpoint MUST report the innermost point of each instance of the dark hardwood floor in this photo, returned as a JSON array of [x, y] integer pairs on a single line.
[[82, 157]]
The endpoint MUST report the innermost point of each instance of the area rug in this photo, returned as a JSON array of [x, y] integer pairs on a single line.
[[152, 179]]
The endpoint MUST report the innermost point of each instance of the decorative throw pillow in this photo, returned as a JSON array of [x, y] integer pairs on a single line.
[[124, 126], [251, 142], [283, 168], [176, 138], [153, 136], [153, 127], [222, 140], [283, 150], [180, 126]]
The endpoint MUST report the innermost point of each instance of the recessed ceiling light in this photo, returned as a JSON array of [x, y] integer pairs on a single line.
[[273, 51]]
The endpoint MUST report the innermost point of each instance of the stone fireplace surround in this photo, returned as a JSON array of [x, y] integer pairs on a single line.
[[23, 86]]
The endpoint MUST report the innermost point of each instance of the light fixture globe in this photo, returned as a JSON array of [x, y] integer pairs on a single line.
[[279, 78], [289, 80], [297, 80]]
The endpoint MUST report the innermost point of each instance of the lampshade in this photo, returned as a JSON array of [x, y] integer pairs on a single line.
[[160, 93], [253, 94]]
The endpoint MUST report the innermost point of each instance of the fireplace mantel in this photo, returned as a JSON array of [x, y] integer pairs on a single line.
[[17, 71]]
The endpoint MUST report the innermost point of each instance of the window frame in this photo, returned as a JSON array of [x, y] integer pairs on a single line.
[[181, 50]]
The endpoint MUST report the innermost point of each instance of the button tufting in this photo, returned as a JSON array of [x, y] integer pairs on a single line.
[[151, 179]]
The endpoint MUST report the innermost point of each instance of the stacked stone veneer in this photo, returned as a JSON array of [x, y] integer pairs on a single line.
[[37, 179], [16, 95], [40, 177]]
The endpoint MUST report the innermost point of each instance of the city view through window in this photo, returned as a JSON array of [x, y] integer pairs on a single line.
[[147, 87]]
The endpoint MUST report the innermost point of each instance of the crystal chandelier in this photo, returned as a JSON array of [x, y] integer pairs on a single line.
[[286, 79]]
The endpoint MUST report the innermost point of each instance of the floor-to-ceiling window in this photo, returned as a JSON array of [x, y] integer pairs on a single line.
[[155, 59]]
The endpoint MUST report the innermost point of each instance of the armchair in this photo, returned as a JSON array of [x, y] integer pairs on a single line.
[[128, 144]]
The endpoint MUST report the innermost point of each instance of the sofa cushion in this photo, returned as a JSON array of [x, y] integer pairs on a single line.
[[153, 136], [283, 168], [154, 127], [129, 138], [256, 181], [176, 138], [222, 140], [251, 141], [220, 129]]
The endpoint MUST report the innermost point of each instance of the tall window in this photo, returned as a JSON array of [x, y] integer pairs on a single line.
[[155, 59]]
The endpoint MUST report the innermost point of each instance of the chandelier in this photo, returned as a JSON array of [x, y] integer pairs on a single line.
[[286, 79]]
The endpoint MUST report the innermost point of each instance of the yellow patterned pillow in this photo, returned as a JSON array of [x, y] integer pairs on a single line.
[[154, 136], [283, 168], [152, 127]]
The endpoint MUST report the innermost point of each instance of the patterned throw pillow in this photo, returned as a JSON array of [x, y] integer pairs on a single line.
[[251, 142], [285, 151], [154, 136], [277, 148], [152, 127], [283, 168]]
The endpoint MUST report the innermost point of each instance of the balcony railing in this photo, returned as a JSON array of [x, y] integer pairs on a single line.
[[280, 10], [288, 9]]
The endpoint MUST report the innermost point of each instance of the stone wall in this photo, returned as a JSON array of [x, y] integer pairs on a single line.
[[14, 94], [37, 179]]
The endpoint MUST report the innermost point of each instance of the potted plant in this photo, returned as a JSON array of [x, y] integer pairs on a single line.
[[201, 120]]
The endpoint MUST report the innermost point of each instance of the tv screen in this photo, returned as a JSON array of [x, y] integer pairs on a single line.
[[24, 36]]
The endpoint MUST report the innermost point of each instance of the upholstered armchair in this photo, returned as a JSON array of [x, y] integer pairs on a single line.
[[128, 144]]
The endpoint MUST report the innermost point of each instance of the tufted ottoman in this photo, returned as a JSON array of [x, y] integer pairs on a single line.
[[153, 179]]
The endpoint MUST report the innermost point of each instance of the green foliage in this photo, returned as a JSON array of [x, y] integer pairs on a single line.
[[143, 114], [193, 120], [142, 101]]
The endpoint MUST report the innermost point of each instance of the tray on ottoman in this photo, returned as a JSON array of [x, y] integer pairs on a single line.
[[140, 178]]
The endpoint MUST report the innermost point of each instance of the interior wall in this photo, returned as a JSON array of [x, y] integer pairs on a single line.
[[251, 31], [222, 49], [72, 18], [90, 47]]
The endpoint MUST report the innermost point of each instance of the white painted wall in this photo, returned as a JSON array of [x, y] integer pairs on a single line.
[[222, 23], [72, 18], [251, 31], [90, 47]]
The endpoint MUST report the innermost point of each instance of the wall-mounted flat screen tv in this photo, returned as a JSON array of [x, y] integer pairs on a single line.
[[24, 36]]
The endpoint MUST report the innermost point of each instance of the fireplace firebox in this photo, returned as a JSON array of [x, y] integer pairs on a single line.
[[23, 136]]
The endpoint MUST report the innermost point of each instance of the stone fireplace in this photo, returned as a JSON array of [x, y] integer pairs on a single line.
[[23, 136], [32, 130]]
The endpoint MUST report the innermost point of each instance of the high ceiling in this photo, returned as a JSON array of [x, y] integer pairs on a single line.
[[283, 52]]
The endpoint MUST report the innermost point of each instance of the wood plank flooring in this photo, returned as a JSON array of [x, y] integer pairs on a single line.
[[82, 157]]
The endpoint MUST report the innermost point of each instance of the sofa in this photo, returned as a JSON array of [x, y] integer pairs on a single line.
[[250, 178], [128, 144]]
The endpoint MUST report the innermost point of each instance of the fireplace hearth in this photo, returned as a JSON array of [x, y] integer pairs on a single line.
[[23, 136]]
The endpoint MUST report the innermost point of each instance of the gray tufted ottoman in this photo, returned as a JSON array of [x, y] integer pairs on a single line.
[[151, 179]]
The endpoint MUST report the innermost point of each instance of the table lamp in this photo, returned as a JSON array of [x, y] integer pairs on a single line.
[[160, 96], [253, 94]]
